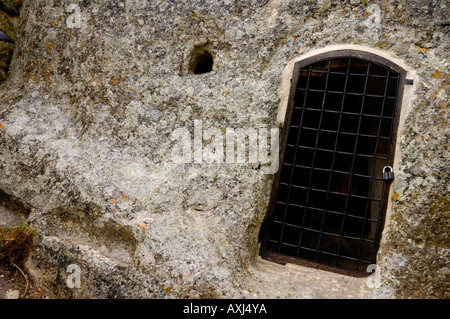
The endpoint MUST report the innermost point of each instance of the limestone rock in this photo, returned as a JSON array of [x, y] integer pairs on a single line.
[[87, 115], [12, 294]]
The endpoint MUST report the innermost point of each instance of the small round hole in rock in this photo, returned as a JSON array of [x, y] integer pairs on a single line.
[[202, 63]]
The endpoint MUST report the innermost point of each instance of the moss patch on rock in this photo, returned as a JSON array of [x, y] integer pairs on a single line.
[[6, 49]]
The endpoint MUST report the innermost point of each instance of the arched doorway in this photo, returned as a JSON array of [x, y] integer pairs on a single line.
[[329, 197]]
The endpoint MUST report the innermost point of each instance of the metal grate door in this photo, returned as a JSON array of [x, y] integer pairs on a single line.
[[329, 198]]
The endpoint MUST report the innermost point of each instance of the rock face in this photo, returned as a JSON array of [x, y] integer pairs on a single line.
[[87, 119]]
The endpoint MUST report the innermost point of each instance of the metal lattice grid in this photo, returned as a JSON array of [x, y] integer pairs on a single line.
[[330, 196]]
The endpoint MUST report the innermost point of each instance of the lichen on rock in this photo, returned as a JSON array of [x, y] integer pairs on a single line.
[[87, 115]]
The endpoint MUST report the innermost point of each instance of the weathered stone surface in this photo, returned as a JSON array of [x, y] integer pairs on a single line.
[[86, 120], [13, 294]]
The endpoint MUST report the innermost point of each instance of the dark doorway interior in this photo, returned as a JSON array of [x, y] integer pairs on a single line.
[[329, 195]]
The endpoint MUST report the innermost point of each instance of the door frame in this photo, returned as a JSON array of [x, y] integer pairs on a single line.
[[339, 53]]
